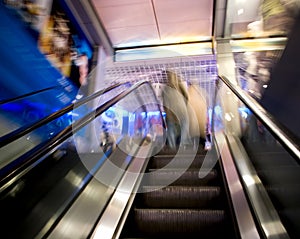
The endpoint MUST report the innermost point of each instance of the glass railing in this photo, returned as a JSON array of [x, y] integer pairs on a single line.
[[24, 111], [29, 109], [88, 160], [27, 123], [134, 117], [268, 161]]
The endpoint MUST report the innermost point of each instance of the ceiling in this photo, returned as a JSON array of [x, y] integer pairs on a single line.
[[132, 23], [146, 37], [121, 25]]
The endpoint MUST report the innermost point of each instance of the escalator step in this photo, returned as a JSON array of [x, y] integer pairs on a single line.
[[284, 194], [179, 221], [288, 175], [176, 162], [188, 177], [166, 150], [272, 160], [181, 197]]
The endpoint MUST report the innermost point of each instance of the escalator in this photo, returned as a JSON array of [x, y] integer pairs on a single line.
[[35, 203], [267, 157], [267, 205], [280, 175], [66, 191], [30, 202], [41, 188], [189, 207]]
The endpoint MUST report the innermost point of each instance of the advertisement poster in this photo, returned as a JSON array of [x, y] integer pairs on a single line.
[[33, 12], [64, 45]]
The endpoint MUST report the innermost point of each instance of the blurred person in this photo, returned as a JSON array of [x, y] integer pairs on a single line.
[[80, 71], [282, 96], [292, 7], [175, 99], [198, 116], [139, 125], [106, 138], [252, 74], [276, 15], [83, 65]]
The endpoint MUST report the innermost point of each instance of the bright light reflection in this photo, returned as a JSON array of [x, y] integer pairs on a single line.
[[249, 180], [273, 228], [78, 97], [122, 196], [102, 232], [240, 11], [244, 114], [74, 179], [227, 117], [73, 114]]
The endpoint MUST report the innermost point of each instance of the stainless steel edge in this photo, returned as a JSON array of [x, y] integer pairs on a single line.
[[123, 219], [243, 215], [263, 207], [107, 226], [84, 212], [21, 174], [264, 116]]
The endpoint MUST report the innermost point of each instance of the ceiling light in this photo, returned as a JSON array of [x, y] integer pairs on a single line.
[[241, 11]]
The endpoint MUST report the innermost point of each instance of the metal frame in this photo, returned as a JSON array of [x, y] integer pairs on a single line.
[[280, 133], [120, 203], [243, 214], [262, 205]]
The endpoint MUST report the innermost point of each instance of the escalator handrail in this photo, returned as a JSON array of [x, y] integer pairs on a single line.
[[28, 94], [18, 133], [32, 156], [267, 119]]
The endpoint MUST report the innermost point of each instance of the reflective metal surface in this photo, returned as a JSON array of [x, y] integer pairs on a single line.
[[106, 227], [264, 209], [265, 117], [267, 160], [64, 193], [244, 218]]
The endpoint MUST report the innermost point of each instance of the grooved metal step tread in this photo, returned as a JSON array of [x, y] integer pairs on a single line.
[[180, 177], [177, 162], [173, 221], [181, 197], [187, 150]]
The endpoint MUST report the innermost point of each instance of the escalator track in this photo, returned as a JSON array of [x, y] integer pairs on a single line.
[[280, 174], [25, 205], [43, 187], [190, 207]]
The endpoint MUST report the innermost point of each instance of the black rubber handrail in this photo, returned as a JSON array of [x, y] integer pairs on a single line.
[[38, 152], [28, 94], [18, 133], [276, 128]]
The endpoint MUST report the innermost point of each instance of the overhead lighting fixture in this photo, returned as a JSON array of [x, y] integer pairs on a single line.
[[241, 11], [164, 51]]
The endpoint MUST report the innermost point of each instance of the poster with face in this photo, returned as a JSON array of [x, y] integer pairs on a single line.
[[55, 41], [33, 12], [63, 44]]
